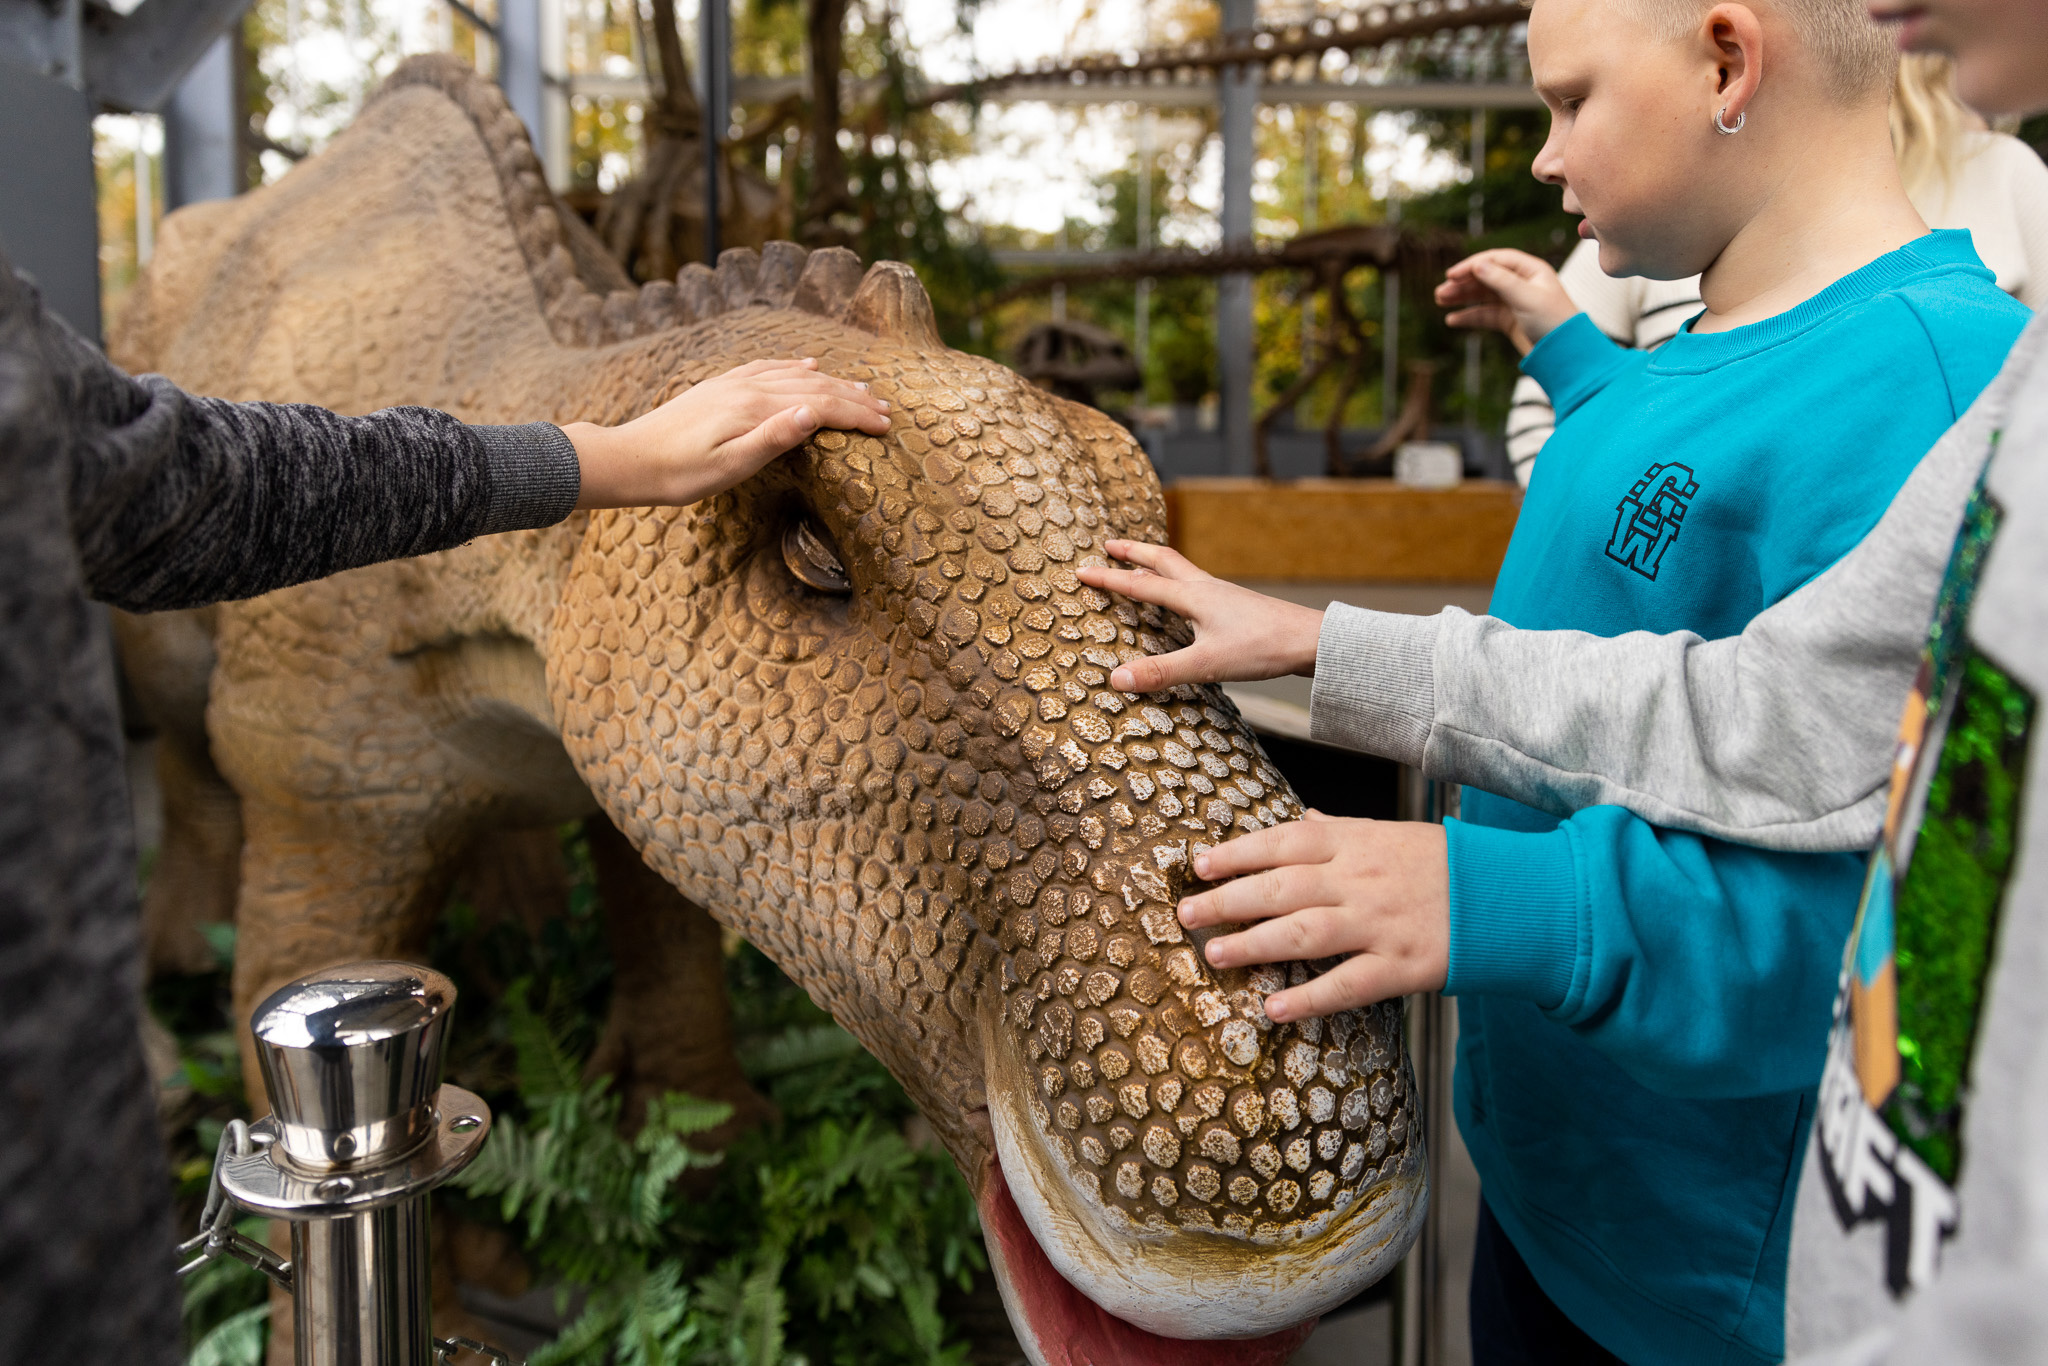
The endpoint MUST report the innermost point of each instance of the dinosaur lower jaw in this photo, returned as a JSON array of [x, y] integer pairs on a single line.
[[1085, 1288], [1057, 1325]]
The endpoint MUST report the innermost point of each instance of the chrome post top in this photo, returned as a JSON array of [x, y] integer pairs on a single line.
[[352, 1059]]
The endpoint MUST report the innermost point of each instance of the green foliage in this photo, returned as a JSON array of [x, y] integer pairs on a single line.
[[227, 1309], [226, 1303], [829, 1239], [901, 217], [237, 1341], [591, 1202]]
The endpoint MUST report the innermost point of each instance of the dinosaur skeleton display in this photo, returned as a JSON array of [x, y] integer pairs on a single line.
[[1343, 346], [1283, 54], [1280, 52]]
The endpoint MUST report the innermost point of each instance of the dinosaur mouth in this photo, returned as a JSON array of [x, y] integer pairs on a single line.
[[1057, 1325]]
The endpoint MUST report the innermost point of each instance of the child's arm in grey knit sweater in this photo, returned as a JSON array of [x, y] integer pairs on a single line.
[[177, 500]]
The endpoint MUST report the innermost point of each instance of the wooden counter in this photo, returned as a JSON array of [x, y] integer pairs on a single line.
[[1354, 530]]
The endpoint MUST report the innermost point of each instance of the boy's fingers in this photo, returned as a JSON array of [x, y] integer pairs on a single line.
[[844, 412], [1155, 672], [1360, 980], [1153, 588], [813, 381], [1481, 319], [834, 405], [1492, 256], [1294, 842], [774, 396], [1515, 262], [1277, 892], [1502, 282], [757, 367], [771, 438], [1316, 931], [1162, 560]]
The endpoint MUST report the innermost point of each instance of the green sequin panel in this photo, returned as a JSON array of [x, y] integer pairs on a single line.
[[1948, 904], [1959, 586]]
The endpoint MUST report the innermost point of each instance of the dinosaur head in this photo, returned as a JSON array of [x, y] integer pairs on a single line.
[[859, 707]]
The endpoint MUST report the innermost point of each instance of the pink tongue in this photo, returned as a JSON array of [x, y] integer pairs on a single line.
[[1072, 1330]]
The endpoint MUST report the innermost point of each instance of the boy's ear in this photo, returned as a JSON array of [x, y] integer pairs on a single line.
[[1735, 36]]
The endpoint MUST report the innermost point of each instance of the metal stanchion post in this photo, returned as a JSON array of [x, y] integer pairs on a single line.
[[362, 1128], [1419, 1302]]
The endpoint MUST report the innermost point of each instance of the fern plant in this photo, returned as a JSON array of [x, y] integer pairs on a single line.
[[829, 1238]]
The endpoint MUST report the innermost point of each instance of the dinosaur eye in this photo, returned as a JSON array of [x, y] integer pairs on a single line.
[[810, 555]]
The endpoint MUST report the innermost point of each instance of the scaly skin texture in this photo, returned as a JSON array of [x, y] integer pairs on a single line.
[[918, 795]]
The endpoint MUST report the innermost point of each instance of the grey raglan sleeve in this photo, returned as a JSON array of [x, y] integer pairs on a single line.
[[178, 500], [1780, 737], [1989, 1317]]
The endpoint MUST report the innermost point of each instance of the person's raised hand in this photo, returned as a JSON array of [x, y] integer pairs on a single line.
[[1239, 634], [716, 433], [1377, 892], [1512, 292]]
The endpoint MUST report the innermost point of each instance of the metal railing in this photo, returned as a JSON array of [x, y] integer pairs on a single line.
[[362, 1127]]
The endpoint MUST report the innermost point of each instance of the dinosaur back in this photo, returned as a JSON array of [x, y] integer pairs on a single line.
[[421, 258]]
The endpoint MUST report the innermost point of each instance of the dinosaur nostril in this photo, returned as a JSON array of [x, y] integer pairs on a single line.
[[810, 555]]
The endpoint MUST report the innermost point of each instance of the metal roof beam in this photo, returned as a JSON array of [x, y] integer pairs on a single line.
[[1194, 94], [135, 62]]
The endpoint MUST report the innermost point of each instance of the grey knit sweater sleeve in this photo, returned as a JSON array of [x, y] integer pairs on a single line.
[[1780, 737], [178, 500]]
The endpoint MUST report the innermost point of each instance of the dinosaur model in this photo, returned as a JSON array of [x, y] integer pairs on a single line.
[[856, 707]]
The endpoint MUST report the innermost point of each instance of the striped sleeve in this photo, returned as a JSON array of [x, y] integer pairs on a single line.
[[1530, 423]]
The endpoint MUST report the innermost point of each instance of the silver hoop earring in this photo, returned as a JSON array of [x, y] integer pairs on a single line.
[[1721, 126]]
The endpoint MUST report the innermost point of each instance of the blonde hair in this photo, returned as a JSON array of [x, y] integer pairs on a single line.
[[1928, 123], [1853, 52]]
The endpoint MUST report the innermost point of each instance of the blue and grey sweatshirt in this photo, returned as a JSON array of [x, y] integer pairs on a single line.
[[1644, 1011]]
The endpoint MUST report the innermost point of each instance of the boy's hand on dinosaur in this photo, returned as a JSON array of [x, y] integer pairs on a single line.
[[1512, 292], [1239, 634], [1376, 893], [716, 433]]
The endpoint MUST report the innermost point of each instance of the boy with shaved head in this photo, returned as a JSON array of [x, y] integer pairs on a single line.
[[1643, 1011]]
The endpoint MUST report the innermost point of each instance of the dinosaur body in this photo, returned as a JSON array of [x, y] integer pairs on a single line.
[[857, 708]]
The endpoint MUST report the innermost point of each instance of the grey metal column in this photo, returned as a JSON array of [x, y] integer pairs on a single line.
[[519, 70], [48, 223], [1390, 325], [1475, 223], [1420, 1310], [202, 130], [1141, 321], [55, 74], [1240, 90], [555, 116], [1141, 333], [1311, 218], [714, 93]]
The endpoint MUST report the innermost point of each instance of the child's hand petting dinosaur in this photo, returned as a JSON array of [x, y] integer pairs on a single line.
[[716, 433], [1375, 891], [1239, 634], [1512, 292]]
